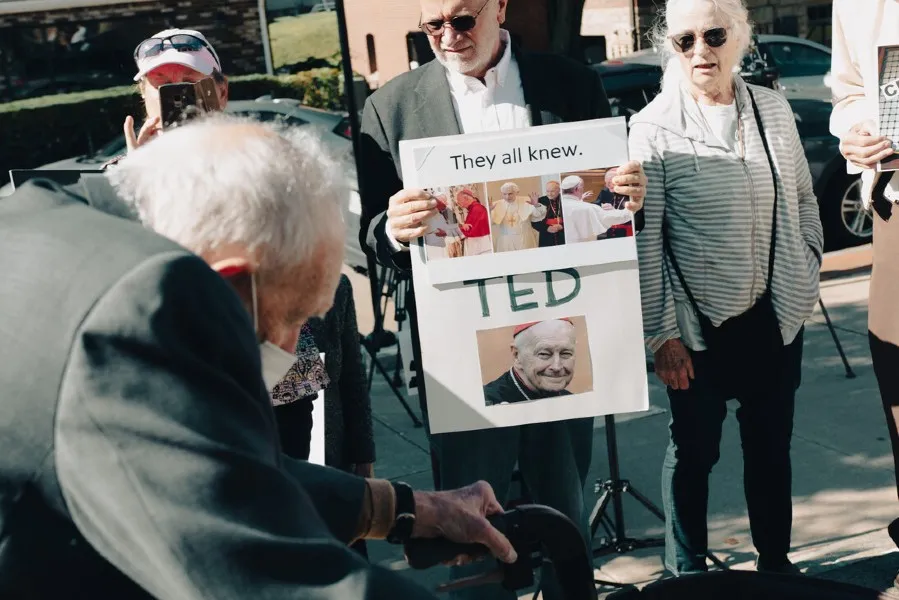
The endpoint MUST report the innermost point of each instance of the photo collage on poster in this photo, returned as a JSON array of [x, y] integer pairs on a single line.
[[525, 213]]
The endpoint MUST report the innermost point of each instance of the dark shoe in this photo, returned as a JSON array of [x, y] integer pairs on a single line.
[[893, 530], [783, 566]]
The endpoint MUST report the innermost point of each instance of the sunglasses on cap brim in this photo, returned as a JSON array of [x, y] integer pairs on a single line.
[[713, 38], [461, 23], [182, 42]]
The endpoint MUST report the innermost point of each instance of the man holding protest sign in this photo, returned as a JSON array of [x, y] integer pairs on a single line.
[[480, 82]]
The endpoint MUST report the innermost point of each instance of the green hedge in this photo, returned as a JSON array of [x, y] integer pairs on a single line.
[[37, 131]]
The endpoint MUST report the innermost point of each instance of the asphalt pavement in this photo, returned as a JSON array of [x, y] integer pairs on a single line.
[[844, 492]]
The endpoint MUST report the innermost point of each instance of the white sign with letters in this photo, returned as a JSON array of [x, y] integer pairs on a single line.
[[526, 282]]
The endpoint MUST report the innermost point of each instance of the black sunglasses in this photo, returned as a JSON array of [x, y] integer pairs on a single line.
[[182, 42], [714, 38], [461, 23]]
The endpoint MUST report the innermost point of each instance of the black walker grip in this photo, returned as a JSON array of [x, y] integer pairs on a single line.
[[424, 554]]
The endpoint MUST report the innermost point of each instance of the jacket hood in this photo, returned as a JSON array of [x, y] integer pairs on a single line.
[[674, 110]]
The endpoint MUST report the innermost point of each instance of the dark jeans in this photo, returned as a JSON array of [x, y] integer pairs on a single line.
[[886, 361], [295, 427], [766, 426], [553, 459]]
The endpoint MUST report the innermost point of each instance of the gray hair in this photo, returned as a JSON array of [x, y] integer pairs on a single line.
[[735, 14], [509, 187], [224, 180]]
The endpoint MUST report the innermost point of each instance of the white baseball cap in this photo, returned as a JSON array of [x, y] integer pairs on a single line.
[[571, 182], [203, 60]]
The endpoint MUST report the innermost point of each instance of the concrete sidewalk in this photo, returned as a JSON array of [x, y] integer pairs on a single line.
[[844, 490]]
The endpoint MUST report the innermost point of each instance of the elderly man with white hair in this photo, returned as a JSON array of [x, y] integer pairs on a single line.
[[729, 265], [144, 459], [585, 221], [512, 217]]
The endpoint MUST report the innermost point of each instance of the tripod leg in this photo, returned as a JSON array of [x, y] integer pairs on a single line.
[[849, 373], [599, 511], [646, 502]]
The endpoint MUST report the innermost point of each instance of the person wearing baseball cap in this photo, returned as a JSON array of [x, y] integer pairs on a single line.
[[171, 56]]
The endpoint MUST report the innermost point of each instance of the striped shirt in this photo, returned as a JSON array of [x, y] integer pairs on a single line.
[[718, 208]]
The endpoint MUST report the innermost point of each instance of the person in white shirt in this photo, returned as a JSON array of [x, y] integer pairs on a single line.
[[512, 217], [480, 82], [585, 221], [859, 28]]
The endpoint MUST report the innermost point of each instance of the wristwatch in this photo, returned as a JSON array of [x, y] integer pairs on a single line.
[[404, 519]]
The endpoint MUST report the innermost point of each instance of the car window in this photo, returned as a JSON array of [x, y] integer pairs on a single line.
[[630, 91], [271, 116], [798, 60]]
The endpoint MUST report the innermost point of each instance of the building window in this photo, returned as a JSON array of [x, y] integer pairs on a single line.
[[820, 18], [418, 48], [372, 55]]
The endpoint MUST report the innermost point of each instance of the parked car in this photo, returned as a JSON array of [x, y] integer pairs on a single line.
[[336, 132], [633, 83], [803, 66]]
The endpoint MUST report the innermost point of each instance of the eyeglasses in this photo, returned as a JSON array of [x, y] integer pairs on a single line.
[[461, 23], [714, 38], [182, 42]]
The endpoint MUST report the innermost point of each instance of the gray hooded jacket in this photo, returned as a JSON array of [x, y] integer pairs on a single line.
[[718, 208]]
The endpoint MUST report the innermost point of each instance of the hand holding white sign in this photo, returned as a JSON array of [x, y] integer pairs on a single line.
[[407, 213], [864, 149], [631, 181]]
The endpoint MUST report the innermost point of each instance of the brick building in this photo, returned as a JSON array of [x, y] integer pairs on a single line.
[[49, 46]]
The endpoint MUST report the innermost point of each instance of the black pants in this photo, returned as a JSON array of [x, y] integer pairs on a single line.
[[766, 427], [886, 368], [295, 427]]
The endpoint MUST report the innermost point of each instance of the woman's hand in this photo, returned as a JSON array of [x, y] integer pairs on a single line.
[[864, 149], [673, 365]]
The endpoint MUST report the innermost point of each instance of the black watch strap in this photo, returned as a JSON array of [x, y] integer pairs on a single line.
[[404, 519]]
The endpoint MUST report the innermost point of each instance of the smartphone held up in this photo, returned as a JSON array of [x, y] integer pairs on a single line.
[[180, 102]]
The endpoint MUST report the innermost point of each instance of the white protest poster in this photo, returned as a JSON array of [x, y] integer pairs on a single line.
[[410, 369], [317, 443], [526, 282]]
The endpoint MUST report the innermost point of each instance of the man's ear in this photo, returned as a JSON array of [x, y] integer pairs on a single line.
[[514, 354], [501, 11]]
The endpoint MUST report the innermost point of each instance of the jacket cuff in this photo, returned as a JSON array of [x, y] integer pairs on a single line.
[[657, 341], [379, 510]]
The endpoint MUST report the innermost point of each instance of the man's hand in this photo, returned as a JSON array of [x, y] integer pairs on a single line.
[[440, 233], [534, 199], [148, 131], [460, 516], [587, 197], [864, 149], [465, 226], [407, 212], [554, 228], [631, 181], [606, 206], [673, 365]]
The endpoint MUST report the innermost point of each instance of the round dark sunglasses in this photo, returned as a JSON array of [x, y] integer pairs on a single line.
[[714, 38], [182, 42], [461, 23]]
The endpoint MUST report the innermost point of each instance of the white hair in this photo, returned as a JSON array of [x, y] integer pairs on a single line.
[[528, 338], [224, 180], [510, 188], [737, 19]]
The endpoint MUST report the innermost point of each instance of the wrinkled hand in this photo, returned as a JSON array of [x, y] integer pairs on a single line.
[[864, 149], [148, 131], [673, 365], [366, 470], [440, 233], [554, 228], [407, 212], [587, 197], [631, 181], [534, 199], [461, 516]]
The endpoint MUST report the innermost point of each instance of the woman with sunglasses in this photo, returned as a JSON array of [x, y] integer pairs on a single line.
[[729, 264]]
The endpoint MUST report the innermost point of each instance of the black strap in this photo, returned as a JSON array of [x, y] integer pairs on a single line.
[[667, 244], [881, 205]]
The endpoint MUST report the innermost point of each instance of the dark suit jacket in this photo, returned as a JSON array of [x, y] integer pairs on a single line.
[[545, 238], [139, 450], [418, 104]]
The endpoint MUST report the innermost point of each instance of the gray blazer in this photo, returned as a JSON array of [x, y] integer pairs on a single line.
[[139, 450]]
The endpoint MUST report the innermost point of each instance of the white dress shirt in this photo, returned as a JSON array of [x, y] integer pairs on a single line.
[[584, 221], [496, 104]]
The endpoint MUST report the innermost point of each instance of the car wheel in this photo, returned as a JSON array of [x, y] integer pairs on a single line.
[[845, 220]]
